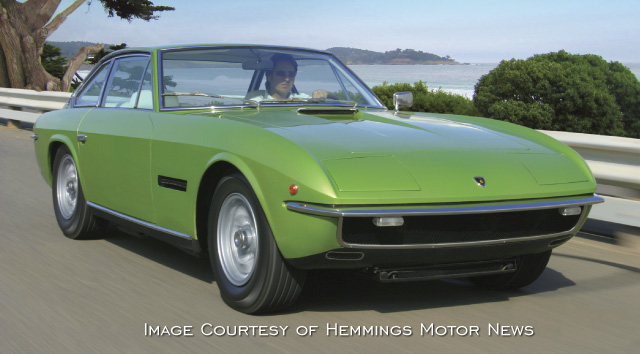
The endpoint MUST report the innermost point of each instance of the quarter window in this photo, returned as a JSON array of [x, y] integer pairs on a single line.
[[90, 95], [124, 83]]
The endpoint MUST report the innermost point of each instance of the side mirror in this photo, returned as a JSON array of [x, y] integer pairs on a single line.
[[402, 99]]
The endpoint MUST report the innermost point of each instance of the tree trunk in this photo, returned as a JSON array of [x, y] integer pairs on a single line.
[[24, 27], [76, 62], [4, 76]]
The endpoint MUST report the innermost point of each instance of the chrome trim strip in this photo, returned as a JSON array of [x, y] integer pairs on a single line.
[[336, 212], [139, 222], [450, 245]]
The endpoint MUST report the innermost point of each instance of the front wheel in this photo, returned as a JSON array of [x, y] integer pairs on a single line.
[[248, 267], [529, 268], [72, 213]]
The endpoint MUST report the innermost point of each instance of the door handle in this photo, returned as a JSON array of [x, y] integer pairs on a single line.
[[82, 138]]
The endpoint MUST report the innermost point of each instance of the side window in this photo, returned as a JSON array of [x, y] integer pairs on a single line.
[[146, 90], [124, 82], [90, 95]]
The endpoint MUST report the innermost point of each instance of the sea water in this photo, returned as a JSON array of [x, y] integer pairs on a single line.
[[458, 79]]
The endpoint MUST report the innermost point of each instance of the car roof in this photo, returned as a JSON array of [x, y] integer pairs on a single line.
[[152, 49]]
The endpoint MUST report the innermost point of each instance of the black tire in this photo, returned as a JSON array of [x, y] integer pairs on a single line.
[[264, 283], [72, 213], [529, 268]]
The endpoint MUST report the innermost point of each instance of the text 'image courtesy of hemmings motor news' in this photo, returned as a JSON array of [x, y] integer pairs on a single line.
[[336, 330]]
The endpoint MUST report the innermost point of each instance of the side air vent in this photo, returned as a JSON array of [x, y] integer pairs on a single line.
[[172, 183]]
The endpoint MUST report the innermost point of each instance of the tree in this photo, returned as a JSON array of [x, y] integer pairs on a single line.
[[51, 60], [24, 27], [562, 91]]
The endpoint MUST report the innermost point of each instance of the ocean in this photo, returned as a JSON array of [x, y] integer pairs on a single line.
[[458, 79]]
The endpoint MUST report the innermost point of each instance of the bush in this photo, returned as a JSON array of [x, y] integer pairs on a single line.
[[436, 101], [562, 91]]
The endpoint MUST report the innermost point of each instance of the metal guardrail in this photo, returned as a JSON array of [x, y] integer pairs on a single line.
[[614, 161], [27, 105]]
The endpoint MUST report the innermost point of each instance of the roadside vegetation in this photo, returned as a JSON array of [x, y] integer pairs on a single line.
[[434, 101], [563, 91], [554, 91], [52, 61]]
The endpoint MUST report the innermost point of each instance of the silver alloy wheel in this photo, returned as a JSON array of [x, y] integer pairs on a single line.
[[237, 239], [67, 187]]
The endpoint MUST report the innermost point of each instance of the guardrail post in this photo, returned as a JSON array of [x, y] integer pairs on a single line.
[[13, 123]]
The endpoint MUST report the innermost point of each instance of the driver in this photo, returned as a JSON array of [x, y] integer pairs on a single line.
[[280, 82]]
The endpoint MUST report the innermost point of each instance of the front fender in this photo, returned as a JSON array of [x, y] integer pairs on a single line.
[[295, 234]]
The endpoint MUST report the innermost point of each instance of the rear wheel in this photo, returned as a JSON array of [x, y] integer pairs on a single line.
[[249, 270], [529, 268], [72, 213]]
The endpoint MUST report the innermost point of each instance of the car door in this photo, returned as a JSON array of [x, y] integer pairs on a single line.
[[114, 148]]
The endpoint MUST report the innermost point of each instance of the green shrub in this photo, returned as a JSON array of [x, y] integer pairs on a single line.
[[51, 60], [562, 91], [435, 101]]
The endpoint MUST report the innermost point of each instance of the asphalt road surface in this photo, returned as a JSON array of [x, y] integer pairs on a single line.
[[117, 295]]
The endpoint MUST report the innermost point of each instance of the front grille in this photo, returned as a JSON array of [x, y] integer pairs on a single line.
[[436, 229]]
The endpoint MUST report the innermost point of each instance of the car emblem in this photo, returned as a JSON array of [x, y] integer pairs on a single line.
[[480, 181]]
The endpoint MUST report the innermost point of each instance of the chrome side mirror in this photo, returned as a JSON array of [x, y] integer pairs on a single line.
[[402, 99]]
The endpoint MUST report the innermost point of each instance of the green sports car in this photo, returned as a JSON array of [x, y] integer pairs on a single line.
[[275, 160]]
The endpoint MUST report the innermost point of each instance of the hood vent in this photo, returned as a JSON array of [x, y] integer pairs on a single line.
[[328, 111]]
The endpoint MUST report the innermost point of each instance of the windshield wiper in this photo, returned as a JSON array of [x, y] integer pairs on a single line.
[[194, 93], [351, 103], [291, 100], [311, 100]]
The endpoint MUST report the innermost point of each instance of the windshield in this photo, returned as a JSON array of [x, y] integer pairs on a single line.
[[252, 76]]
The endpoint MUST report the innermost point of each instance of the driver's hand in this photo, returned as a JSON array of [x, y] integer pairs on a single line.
[[319, 94]]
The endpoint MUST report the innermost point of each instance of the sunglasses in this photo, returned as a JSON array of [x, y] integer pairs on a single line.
[[290, 74]]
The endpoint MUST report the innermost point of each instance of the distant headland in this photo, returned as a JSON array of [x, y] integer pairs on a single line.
[[350, 56]]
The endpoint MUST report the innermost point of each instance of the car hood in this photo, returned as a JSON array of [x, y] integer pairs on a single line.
[[334, 135], [380, 151]]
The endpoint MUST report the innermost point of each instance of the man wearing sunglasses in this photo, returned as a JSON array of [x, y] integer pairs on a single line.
[[280, 82]]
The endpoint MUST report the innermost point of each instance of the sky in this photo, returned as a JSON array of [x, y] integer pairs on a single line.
[[470, 31]]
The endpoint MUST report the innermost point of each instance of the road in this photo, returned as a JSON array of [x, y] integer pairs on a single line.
[[63, 296]]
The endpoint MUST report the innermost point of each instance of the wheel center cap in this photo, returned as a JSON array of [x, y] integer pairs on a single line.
[[71, 188], [240, 239]]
